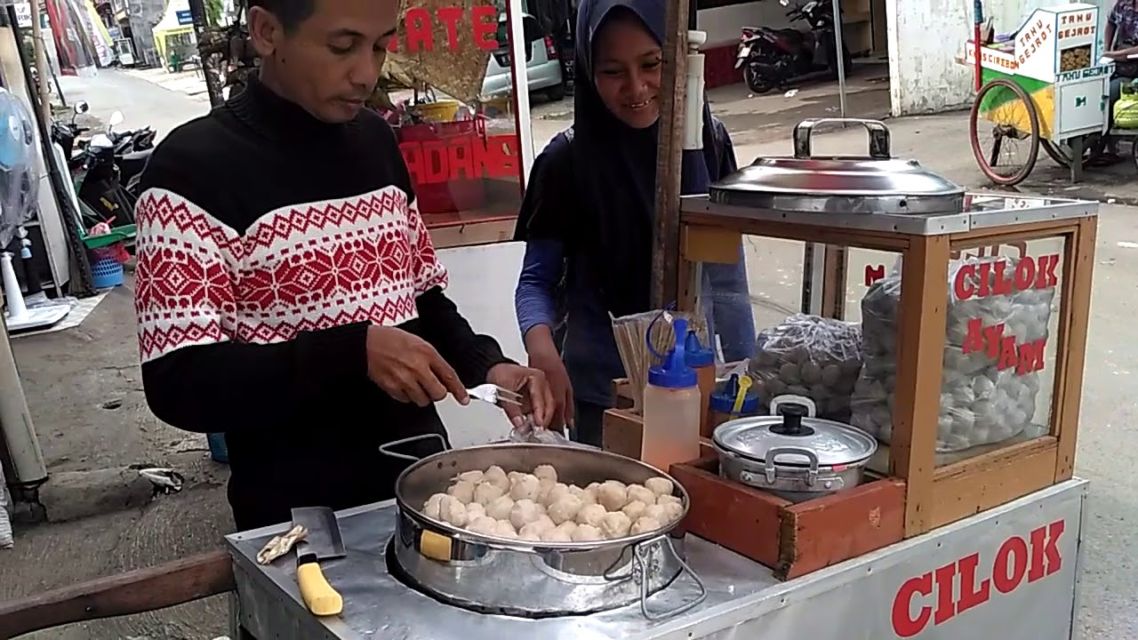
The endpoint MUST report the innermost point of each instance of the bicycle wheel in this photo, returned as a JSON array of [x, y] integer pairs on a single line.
[[1010, 113]]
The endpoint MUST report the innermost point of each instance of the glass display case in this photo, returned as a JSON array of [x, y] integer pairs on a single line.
[[955, 338]]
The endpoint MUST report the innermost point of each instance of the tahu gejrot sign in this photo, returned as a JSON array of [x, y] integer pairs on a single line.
[[1033, 38], [935, 597], [1078, 24]]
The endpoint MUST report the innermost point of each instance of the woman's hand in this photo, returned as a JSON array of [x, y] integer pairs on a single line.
[[529, 382], [543, 355]]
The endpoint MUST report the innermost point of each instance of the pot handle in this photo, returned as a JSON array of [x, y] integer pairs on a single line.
[[778, 401], [773, 453], [641, 561], [878, 136], [385, 448]]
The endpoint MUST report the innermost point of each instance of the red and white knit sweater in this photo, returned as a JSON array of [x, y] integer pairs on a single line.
[[267, 243]]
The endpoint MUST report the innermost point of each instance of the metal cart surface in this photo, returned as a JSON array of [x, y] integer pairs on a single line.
[[1010, 572]]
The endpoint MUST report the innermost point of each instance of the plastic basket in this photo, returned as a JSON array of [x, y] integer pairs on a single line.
[[106, 273], [218, 451]]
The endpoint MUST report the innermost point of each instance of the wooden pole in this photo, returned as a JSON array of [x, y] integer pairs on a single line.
[[137, 591], [204, 32], [669, 159], [43, 89]]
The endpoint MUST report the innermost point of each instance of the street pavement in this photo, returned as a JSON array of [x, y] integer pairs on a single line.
[[142, 101], [69, 376]]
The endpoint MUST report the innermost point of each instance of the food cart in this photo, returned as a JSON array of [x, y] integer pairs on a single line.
[[954, 531], [1044, 84], [937, 540]]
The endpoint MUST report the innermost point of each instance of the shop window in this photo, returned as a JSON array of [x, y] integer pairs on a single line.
[[452, 105]]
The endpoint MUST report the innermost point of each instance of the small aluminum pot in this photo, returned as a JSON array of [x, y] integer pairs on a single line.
[[791, 453]]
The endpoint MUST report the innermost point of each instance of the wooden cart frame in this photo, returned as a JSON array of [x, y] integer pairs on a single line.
[[934, 496]]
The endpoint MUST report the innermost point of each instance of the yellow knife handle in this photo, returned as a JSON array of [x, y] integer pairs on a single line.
[[319, 596]]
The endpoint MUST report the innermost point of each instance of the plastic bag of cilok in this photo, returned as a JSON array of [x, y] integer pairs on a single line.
[[986, 396], [811, 356]]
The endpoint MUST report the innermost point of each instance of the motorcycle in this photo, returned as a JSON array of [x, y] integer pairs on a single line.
[[98, 171], [131, 148], [66, 134], [773, 57], [134, 141]]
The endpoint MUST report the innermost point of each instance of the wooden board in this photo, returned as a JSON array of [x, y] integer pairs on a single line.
[[1078, 275], [623, 433], [826, 531], [971, 486], [821, 233], [158, 587], [917, 396], [792, 539], [745, 520]]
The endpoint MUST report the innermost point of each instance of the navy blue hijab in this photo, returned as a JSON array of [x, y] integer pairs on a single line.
[[608, 206]]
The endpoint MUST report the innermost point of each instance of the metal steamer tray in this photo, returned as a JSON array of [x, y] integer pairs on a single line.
[[534, 579]]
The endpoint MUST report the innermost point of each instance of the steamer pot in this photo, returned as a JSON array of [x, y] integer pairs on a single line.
[[535, 579]]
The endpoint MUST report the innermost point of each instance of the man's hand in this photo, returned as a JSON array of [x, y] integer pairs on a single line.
[[543, 356], [409, 369], [530, 382]]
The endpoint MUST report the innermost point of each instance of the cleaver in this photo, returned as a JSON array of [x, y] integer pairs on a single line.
[[323, 542]]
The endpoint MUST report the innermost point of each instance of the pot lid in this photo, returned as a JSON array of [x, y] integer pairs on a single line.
[[832, 442], [877, 183]]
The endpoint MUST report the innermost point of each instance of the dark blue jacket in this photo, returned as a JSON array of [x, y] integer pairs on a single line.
[[558, 288]]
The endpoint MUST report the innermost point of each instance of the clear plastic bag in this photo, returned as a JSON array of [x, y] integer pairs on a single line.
[[529, 434], [980, 403], [810, 356]]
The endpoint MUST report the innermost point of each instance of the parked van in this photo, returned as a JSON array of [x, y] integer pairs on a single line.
[[543, 64]]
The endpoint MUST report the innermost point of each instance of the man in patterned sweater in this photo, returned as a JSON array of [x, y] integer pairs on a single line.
[[287, 291]]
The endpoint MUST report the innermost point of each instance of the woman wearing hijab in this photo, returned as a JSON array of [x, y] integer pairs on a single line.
[[587, 217]]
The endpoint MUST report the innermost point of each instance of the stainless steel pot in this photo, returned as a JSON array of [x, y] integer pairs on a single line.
[[535, 579], [877, 183], [791, 453]]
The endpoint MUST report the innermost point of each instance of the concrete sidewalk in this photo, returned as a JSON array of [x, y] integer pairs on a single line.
[[191, 83]]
